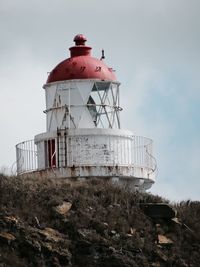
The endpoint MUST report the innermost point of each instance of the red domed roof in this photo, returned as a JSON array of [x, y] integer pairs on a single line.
[[81, 65]]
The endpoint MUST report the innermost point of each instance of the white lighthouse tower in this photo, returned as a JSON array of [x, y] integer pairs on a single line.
[[83, 135]]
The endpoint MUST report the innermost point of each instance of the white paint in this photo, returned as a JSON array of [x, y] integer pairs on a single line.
[[76, 145]]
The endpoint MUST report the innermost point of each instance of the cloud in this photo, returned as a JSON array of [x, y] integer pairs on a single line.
[[165, 107]]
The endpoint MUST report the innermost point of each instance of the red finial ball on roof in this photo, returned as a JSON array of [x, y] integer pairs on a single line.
[[80, 39], [81, 65]]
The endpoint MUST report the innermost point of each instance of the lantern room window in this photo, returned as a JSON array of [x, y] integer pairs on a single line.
[[103, 105]]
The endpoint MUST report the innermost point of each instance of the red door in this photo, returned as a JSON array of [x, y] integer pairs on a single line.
[[51, 153]]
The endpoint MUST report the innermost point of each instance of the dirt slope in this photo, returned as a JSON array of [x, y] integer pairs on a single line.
[[63, 223]]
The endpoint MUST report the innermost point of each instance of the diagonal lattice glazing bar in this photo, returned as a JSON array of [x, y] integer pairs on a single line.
[[103, 105]]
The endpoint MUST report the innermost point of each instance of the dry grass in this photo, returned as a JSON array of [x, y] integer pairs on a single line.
[[105, 226]]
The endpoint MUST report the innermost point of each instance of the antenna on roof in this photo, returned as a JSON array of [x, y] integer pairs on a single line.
[[102, 54]]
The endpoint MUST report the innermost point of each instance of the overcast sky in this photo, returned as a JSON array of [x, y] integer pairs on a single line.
[[154, 47]]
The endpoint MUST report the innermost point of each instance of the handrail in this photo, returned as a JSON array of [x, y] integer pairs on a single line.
[[155, 162], [87, 105], [138, 155]]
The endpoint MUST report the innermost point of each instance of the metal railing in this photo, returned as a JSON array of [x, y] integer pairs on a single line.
[[142, 150], [138, 154], [26, 154]]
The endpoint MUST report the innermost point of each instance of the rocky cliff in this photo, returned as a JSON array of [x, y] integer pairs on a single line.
[[92, 223]]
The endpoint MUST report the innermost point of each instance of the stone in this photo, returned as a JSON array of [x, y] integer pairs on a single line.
[[11, 219], [129, 235], [51, 234], [132, 231], [64, 208], [163, 240], [7, 237], [158, 210]]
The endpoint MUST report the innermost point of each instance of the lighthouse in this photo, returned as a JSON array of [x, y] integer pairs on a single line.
[[83, 137]]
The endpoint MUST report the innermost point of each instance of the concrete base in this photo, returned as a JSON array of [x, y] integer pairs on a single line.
[[123, 175]]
